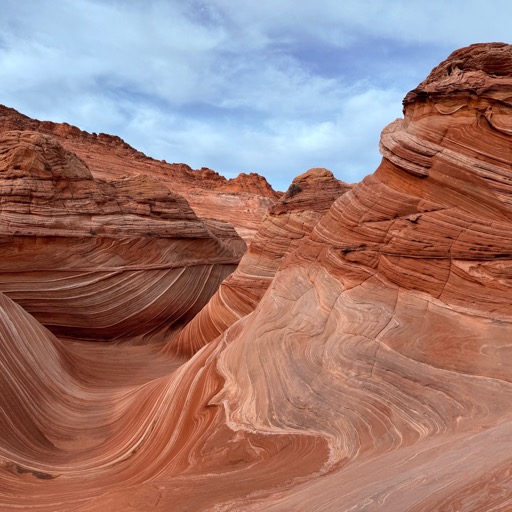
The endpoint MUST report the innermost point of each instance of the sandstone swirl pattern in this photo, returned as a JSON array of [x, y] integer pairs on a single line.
[[102, 261], [284, 227], [375, 372]]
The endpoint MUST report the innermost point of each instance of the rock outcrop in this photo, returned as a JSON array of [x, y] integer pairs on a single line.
[[282, 230], [241, 201], [388, 333], [127, 259], [373, 374]]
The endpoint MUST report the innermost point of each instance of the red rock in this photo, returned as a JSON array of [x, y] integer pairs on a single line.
[[283, 229], [95, 260], [373, 373], [242, 201], [387, 333]]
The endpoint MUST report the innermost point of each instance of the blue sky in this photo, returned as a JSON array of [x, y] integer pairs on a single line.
[[273, 86]]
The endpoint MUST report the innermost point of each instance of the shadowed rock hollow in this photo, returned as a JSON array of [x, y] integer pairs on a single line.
[[125, 259], [358, 359]]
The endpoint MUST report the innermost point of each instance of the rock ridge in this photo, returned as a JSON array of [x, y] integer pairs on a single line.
[[241, 201], [101, 260], [474, 69], [282, 230]]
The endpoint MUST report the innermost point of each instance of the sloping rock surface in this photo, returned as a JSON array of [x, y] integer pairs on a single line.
[[373, 374], [389, 332], [126, 259], [241, 201], [283, 229]]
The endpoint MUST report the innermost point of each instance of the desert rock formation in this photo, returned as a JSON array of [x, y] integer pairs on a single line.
[[283, 229], [102, 260], [374, 373], [241, 201]]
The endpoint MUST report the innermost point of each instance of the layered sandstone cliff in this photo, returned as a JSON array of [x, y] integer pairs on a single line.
[[388, 333], [241, 201], [283, 229], [125, 259], [373, 374]]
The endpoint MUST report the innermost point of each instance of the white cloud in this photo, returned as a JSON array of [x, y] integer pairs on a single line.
[[347, 144], [342, 23], [234, 85]]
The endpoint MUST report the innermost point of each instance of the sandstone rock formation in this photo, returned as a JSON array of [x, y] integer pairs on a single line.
[[241, 201], [388, 334], [284, 227], [96, 260], [373, 374]]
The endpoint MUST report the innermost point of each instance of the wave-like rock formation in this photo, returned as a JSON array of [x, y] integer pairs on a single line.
[[373, 374], [97, 260], [282, 230], [389, 333], [241, 201]]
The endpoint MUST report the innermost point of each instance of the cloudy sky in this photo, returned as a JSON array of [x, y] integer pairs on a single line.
[[267, 86]]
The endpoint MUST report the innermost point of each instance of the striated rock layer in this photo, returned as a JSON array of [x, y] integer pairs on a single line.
[[284, 227], [389, 332], [241, 201], [103, 261], [373, 374]]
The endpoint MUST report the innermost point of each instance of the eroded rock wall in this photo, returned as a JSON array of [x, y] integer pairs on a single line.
[[117, 260], [374, 373]]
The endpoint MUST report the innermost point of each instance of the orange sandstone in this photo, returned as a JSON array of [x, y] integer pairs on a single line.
[[374, 373]]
